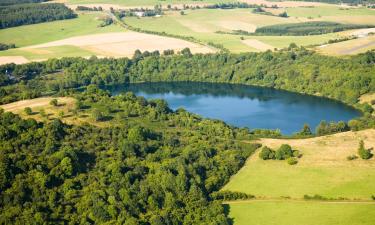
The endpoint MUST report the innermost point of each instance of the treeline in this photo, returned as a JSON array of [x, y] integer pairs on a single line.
[[294, 69], [16, 2], [127, 174], [139, 12], [307, 28], [85, 8], [17, 15]]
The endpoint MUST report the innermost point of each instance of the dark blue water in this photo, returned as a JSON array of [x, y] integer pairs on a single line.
[[245, 106]]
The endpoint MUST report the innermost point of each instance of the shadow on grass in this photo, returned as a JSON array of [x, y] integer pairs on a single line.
[[226, 212]]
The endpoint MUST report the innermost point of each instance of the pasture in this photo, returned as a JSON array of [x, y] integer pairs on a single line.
[[286, 212], [322, 170]]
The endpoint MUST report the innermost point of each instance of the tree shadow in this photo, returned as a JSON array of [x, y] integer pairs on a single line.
[[226, 212]]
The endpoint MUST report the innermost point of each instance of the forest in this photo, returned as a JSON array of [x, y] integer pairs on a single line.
[[128, 173], [17, 15], [307, 28]]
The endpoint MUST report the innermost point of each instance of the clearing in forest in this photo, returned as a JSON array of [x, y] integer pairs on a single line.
[[323, 169]]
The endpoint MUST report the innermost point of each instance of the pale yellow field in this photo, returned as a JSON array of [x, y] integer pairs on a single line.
[[350, 47], [66, 105], [13, 59], [257, 44], [330, 149]]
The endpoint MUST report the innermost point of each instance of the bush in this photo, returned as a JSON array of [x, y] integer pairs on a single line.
[[292, 161], [266, 153], [54, 102], [28, 111], [297, 154], [284, 152], [363, 152]]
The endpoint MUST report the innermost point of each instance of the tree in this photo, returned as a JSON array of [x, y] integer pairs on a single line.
[[292, 161], [54, 102], [28, 111], [284, 152], [266, 153], [306, 131], [182, 13], [363, 152], [283, 14], [186, 52]]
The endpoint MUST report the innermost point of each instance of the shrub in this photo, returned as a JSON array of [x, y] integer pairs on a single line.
[[292, 161], [28, 111], [54, 102], [266, 153], [284, 152], [363, 152]]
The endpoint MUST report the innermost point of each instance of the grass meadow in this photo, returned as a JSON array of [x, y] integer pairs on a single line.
[[298, 213], [86, 23]]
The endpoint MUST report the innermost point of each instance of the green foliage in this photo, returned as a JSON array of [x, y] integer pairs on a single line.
[[284, 152], [17, 15], [292, 161], [363, 152], [6, 46], [306, 28], [28, 111], [137, 172], [267, 153], [54, 102], [325, 128], [305, 131], [231, 195]]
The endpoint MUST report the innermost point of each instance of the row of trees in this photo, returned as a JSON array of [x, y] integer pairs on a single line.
[[141, 171], [17, 15], [6, 46]]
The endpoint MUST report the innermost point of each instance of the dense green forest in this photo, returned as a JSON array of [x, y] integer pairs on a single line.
[[17, 15], [15, 2], [53, 173], [307, 28]]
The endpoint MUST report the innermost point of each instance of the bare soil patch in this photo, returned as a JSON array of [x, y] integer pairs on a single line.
[[13, 59], [125, 43]]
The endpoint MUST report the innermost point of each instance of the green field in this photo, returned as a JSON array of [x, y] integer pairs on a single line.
[[86, 23], [50, 52], [301, 213], [277, 179]]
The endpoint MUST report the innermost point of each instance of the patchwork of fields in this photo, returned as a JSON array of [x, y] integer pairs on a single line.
[[65, 38]]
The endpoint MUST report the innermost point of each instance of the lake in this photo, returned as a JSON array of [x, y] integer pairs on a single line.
[[245, 106]]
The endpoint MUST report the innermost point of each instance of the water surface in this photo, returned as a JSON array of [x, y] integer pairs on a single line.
[[245, 106]]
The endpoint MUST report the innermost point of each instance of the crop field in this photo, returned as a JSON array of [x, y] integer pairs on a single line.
[[204, 24], [299, 212]]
